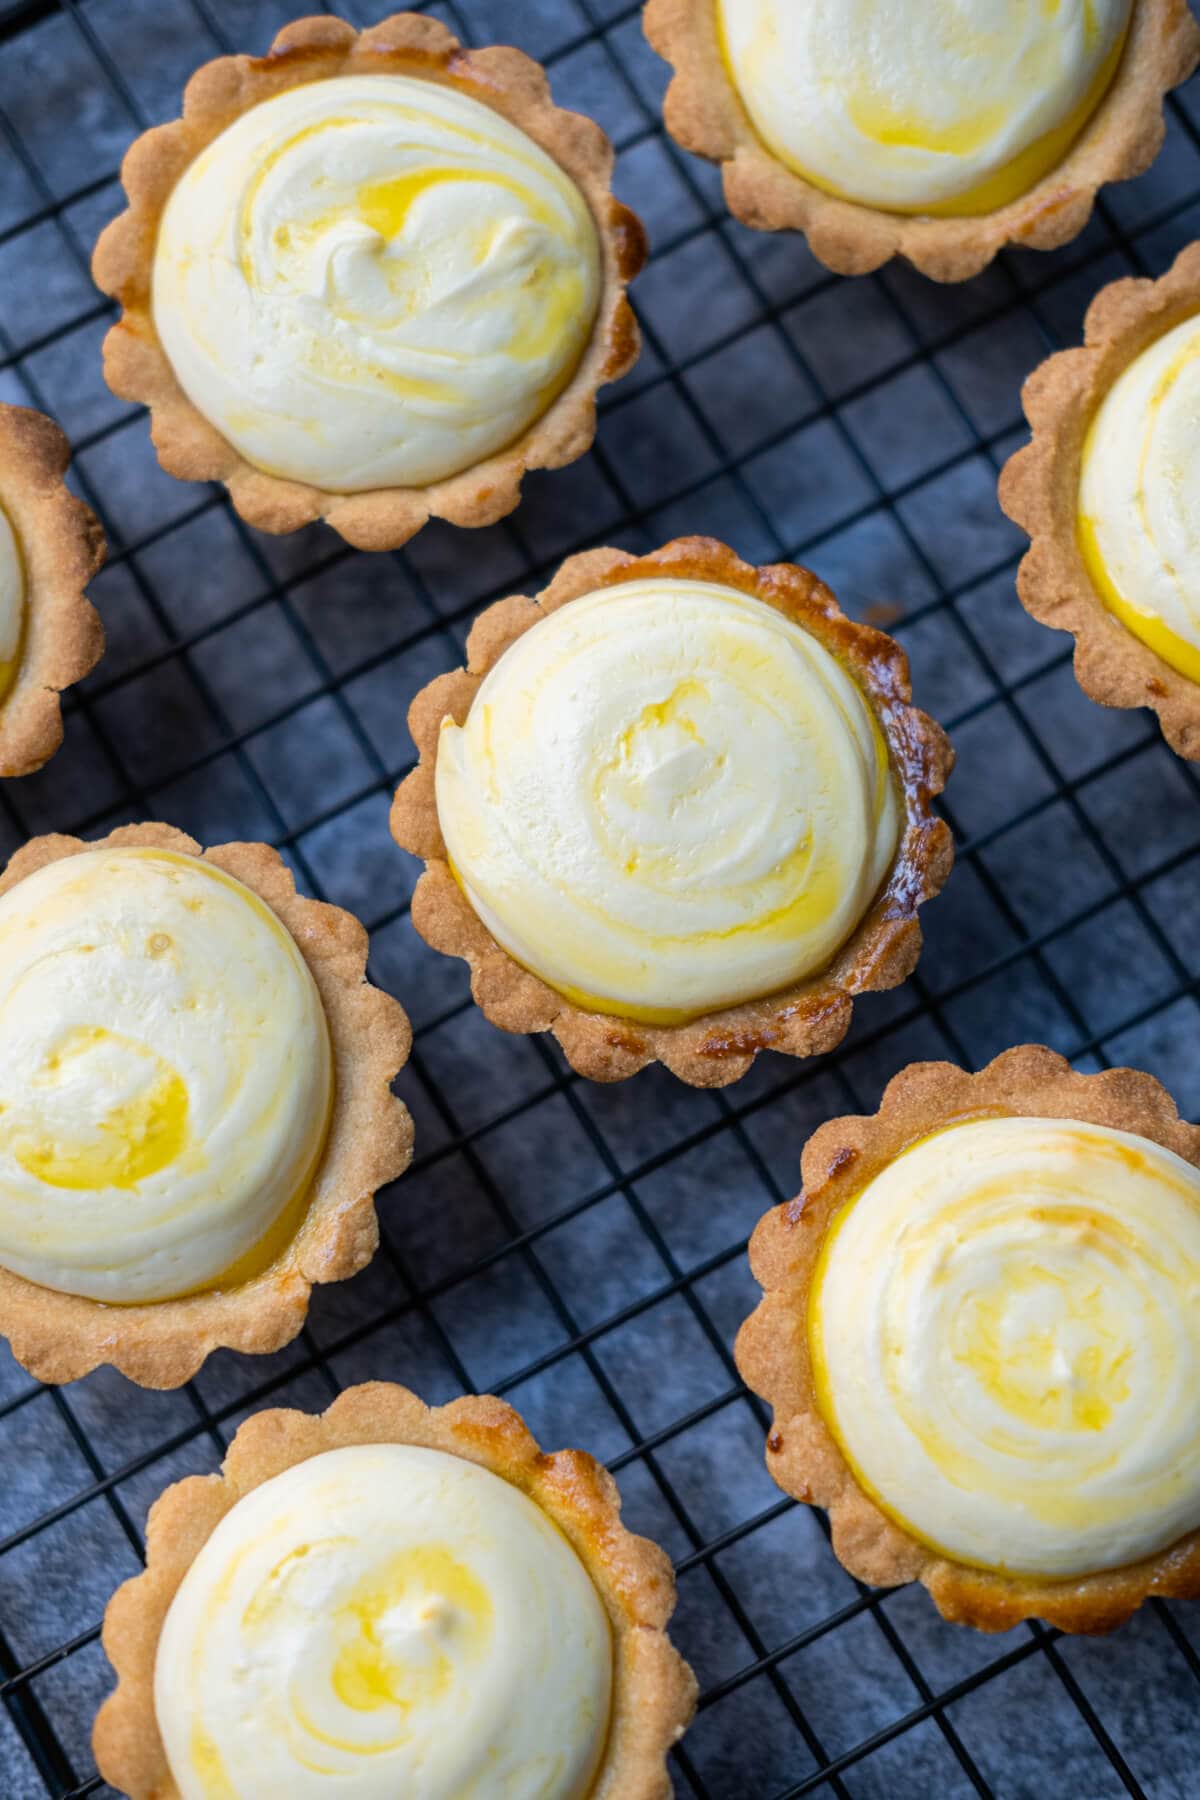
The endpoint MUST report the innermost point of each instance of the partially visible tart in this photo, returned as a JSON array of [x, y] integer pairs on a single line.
[[939, 132], [51, 545], [372, 277], [394, 1600], [675, 807], [195, 1104], [980, 1339], [1109, 492]]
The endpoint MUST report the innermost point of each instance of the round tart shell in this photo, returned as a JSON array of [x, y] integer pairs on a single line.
[[1039, 490], [59, 1337], [654, 1691], [705, 114], [316, 49], [772, 1347], [805, 1020], [61, 547]]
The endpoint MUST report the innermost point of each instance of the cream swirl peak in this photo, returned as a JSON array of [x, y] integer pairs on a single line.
[[1005, 1332], [374, 281], [1139, 498], [668, 797], [165, 1077], [12, 601], [382, 1620], [922, 105]]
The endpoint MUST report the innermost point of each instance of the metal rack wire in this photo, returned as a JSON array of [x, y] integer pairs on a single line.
[[582, 1249]]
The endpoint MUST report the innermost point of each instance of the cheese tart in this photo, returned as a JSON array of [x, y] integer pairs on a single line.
[[1108, 491], [392, 1599], [936, 130], [51, 545], [980, 1339], [371, 277], [675, 807], [195, 1102]]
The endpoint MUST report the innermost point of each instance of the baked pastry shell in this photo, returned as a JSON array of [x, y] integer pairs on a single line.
[[316, 49], [1039, 490], [772, 1346], [654, 1691], [61, 547], [705, 114], [806, 1019], [59, 1337]]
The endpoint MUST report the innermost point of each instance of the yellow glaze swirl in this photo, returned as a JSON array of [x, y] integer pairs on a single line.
[[667, 797], [374, 281], [380, 1621], [934, 106], [1005, 1327], [165, 1077], [12, 602], [1139, 498]]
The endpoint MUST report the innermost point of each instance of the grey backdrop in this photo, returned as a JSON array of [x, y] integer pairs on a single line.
[[581, 1249]]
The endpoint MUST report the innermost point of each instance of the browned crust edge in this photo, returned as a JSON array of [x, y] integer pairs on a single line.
[[59, 1337], [314, 49], [1039, 490], [719, 1047], [705, 114], [62, 547], [654, 1691], [772, 1347]]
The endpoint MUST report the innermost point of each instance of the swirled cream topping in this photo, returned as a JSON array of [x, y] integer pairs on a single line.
[[12, 601], [374, 281], [380, 1621], [165, 1077], [1005, 1327], [667, 797], [1139, 498], [941, 106]]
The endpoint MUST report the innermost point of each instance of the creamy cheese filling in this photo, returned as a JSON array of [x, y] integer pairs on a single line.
[[12, 601], [1139, 498], [952, 106], [165, 1077], [381, 1621], [374, 281], [668, 797], [1005, 1328]]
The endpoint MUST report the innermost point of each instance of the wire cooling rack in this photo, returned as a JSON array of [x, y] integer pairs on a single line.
[[577, 1248]]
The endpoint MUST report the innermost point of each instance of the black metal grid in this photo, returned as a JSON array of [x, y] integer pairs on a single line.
[[582, 1249]]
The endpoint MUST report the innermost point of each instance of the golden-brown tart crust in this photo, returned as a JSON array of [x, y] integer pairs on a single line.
[[61, 547], [705, 114], [59, 1337], [804, 1020], [773, 1355], [314, 49], [654, 1691], [1039, 490]]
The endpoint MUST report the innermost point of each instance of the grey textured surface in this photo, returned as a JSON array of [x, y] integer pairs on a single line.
[[582, 1249]]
